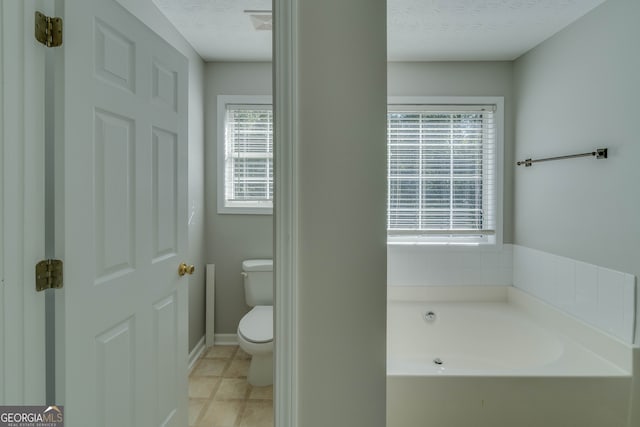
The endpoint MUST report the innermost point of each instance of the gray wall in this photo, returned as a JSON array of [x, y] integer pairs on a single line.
[[341, 242], [577, 91], [464, 79], [230, 239]]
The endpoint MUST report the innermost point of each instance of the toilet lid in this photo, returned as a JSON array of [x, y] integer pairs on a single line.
[[257, 325]]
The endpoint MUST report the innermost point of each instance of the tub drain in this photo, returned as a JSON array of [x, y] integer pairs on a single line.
[[438, 361]]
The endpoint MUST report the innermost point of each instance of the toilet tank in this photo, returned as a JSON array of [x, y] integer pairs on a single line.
[[258, 281]]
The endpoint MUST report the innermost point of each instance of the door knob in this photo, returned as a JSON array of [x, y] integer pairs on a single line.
[[185, 269]]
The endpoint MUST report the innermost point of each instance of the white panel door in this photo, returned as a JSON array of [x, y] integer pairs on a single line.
[[121, 221], [22, 234]]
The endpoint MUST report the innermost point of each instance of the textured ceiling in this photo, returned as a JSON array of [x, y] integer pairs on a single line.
[[220, 30], [474, 29], [418, 30]]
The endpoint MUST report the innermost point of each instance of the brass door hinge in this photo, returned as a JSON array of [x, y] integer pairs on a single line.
[[48, 31], [48, 274]]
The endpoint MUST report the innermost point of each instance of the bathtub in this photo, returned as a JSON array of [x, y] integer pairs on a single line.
[[495, 356]]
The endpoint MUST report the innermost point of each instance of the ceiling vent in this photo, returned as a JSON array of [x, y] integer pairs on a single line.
[[262, 20]]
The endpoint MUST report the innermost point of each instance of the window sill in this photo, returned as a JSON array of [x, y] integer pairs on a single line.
[[245, 211], [436, 244], [431, 248], [490, 242]]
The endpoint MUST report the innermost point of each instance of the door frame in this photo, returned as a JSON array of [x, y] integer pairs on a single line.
[[22, 204], [286, 202]]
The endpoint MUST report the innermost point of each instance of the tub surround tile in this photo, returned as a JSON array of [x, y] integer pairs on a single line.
[[546, 275], [524, 269], [564, 286], [428, 265], [586, 298], [492, 275], [599, 296], [492, 259], [610, 300], [470, 260]]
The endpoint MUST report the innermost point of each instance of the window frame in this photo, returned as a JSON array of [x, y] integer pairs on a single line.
[[439, 238], [222, 102]]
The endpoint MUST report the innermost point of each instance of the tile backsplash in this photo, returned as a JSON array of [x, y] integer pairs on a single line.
[[599, 296], [424, 265]]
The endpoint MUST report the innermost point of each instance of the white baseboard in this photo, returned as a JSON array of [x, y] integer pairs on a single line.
[[210, 291], [225, 339], [195, 354]]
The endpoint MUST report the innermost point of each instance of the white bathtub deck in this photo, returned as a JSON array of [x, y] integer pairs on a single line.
[[494, 332], [509, 360]]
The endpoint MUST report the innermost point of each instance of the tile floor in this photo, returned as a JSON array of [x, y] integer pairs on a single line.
[[219, 395]]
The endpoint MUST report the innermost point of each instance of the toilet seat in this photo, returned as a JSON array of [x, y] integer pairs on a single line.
[[257, 325]]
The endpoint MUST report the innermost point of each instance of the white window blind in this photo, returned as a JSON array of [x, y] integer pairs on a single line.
[[248, 156], [441, 170]]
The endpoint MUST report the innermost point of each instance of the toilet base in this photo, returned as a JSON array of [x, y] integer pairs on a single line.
[[261, 370]]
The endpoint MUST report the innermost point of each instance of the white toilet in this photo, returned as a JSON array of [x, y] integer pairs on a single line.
[[255, 331]]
